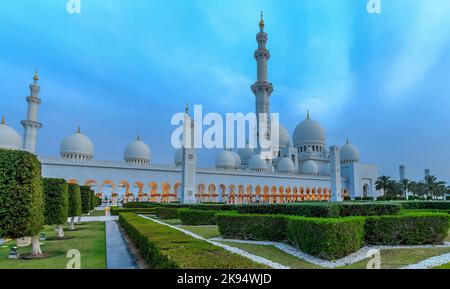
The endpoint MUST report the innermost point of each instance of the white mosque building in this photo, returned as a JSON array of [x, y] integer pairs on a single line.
[[304, 169]]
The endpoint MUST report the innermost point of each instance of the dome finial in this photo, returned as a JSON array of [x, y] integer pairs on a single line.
[[36, 76], [186, 108], [78, 130], [138, 137], [348, 142], [261, 22], [3, 120], [308, 114]]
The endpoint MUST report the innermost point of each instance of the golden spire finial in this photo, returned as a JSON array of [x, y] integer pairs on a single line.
[[308, 114], [187, 108], [36, 76], [261, 22], [3, 120], [348, 142], [78, 130], [138, 137]]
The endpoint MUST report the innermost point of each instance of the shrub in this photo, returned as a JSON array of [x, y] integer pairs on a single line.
[[86, 199], [407, 229], [115, 211], [330, 239], [74, 202], [197, 217], [21, 194], [56, 201], [368, 209], [364, 198], [166, 213], [166, 248], [252, 227], [304, 209], [321, 210], [436, 205]]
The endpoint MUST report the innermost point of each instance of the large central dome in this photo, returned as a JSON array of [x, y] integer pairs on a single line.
[[309, 131]]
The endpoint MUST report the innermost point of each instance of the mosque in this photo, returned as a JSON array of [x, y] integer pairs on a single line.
[[304, 168]]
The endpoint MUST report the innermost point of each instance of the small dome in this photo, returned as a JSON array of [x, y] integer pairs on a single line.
[[310, 168], [349, 153], [258, 164], [309, 131], [225, 160], [179, 157], [9, 138], [237, 160], [283, 136], [138, 152], [77, 146], [245, 153], [285, 165]]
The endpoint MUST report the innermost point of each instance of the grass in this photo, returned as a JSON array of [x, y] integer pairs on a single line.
[[275, 255], [204, 231], [166, 247], [89, 240], [397, 258], [173, 222], [96, 213]]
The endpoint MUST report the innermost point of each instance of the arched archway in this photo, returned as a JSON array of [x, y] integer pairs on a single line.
[[223, 193], [201, 196], [165, 192], [365, 190], [212, 193], [154, 195]]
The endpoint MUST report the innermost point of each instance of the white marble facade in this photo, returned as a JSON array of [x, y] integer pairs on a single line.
[[305, 168]]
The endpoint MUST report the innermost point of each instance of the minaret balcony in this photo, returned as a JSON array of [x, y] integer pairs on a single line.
[[262, 86]]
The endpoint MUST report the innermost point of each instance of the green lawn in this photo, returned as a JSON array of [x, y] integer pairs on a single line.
[[173, 222], [274, 254], [89, 239], [397, 258], [204, 231], [96, 214]]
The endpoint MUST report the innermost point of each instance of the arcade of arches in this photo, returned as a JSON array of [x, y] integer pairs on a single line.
[[209, 193]]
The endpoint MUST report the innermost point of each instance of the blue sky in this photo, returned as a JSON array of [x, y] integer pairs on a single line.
[[124, 67]]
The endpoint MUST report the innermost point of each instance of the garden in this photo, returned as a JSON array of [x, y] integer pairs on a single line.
[[305, 236]]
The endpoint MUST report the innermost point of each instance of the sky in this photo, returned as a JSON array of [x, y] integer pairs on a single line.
[[122, 68]]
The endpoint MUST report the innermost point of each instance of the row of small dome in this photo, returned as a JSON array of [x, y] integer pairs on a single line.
[[79, 146]]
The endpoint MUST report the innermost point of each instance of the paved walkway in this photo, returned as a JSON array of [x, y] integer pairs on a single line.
[[117, 254]]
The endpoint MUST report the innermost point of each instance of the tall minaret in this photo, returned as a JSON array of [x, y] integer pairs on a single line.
[[31, 125], [189, 162], [262, 87]]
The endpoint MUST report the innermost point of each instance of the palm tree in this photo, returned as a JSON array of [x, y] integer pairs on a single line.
[[405, 185], [382, 184], [433, 187]]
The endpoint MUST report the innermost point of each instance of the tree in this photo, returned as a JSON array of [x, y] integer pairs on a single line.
[[433, 187], [86, 200], [21, 197], [405, 185], [56, 203], [382, 184], [74, 204]]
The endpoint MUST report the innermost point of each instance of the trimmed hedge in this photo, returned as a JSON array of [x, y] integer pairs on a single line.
[[56, 201], [21, 194], [330, 239], [166, 248], [115, 211], [321, 210], [166, 213], [417, 205], [86, 199], [407, 229], [74, 200], [252, 227], [197, 217]]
